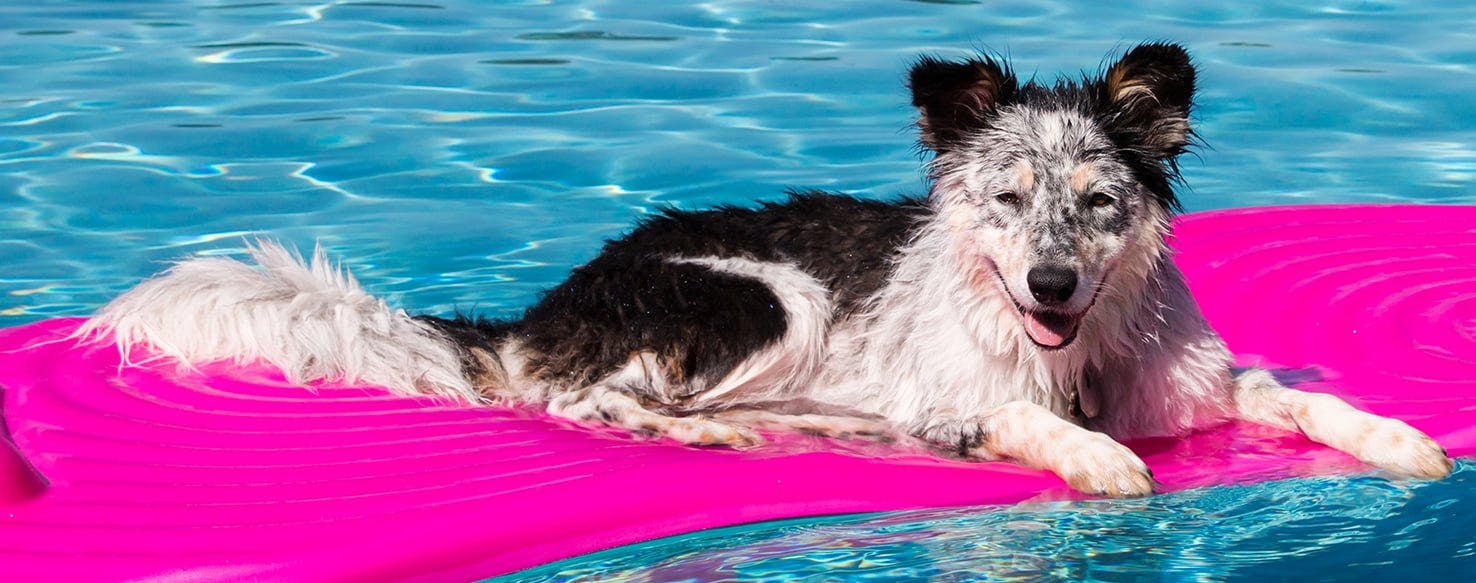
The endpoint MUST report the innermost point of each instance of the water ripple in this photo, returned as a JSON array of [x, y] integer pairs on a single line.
[[593, 35], [1330, 525], [459, 157]]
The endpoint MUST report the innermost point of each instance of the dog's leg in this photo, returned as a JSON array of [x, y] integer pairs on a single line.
[[1030, 434], [602, 404], [1386, 443], [610, 401], [814, 424]]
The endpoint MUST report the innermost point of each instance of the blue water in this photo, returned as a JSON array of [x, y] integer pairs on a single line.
[[464, 155], [1307, 529]]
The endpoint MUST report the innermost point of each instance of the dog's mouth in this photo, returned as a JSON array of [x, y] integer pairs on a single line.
[[1050, 330]]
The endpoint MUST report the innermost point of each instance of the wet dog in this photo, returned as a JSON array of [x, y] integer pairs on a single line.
[[1027, 308]]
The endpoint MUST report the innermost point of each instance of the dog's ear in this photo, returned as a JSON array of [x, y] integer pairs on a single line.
[[953, 98], [1148, 95]]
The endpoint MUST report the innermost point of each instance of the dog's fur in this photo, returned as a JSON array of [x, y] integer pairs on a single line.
[[1026, 309]]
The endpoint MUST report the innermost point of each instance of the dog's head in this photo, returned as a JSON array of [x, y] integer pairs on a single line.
[[1052, 189]]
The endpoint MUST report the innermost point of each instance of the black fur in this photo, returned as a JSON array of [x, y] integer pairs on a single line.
[[1149, 146], [957, 99], [700, 323]]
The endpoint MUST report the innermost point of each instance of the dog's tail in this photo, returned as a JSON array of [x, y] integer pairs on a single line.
[[311, 319]]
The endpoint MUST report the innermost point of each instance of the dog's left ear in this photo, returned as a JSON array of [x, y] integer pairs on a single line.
[[955, 98], [1148, 95]]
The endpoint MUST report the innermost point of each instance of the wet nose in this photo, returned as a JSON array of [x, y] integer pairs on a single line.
[[1051, 285]]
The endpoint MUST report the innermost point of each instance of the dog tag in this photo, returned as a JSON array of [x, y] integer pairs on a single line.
[[1087, 399]]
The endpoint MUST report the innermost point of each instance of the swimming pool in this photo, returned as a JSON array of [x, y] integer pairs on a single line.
[[461, 155]]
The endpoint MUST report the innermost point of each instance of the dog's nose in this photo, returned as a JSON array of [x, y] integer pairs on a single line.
[[1051, 285]]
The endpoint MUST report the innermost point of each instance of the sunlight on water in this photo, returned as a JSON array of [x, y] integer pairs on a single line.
[[1347, 528], [464, 155]]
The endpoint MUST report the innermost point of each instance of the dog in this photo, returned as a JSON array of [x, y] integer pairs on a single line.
[[1027, 308]]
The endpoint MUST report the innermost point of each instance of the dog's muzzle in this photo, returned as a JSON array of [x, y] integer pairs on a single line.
[[1051, 286]]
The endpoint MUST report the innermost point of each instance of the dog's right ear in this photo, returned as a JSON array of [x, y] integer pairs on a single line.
[[953, 98]]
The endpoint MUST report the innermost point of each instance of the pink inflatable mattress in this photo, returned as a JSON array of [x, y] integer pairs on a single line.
[[229, 473]]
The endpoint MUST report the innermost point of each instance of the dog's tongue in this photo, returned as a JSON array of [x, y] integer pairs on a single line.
[[1049, 329]]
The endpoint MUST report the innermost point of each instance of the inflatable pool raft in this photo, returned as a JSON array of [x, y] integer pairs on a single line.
[[111, 473]]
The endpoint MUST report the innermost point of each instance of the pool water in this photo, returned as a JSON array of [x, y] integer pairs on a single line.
[[464, 155], [1307, 529]]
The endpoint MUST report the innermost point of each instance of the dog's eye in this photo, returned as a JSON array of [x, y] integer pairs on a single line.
[[1008, 198], [1100, 200]]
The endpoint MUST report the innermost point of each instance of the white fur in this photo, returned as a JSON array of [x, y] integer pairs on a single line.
[[776, 372], [942, 340], [930, 345], [610, 400], [1087, 460], [311, 320], [1387, 443]]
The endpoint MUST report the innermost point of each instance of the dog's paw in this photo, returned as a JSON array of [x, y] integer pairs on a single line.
[[1095, 464], [700, 431], [1392, 445]]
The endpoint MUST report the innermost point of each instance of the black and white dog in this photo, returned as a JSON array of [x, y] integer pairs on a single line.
[[1026, 309]]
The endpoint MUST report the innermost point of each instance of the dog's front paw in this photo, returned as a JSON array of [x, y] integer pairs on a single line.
[[1393, 445], [1095, 464], [1089, 461]]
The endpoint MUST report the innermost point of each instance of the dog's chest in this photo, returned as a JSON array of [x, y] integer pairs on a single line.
[[938, 368]]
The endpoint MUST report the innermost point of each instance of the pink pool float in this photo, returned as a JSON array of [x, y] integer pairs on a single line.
[[111, 473]]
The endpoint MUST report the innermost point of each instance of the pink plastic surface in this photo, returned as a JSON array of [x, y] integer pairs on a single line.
[[230, 474]]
